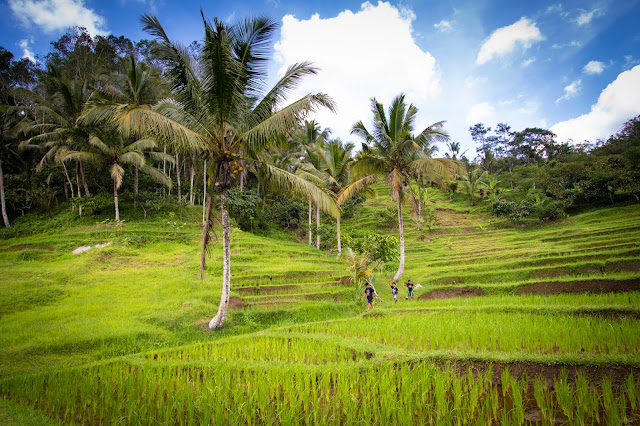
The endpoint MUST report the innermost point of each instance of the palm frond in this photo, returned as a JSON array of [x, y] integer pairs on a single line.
[[359, 186], [290, 182]]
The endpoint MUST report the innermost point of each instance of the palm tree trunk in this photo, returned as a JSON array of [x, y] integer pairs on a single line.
[[205, 234], [398, 274], [318, 226], [84, 181], [135, 187], [242, 173], [164, 168], [115, 201], [204, 197], [310, 216], [419, 205], [217, 321], [178, 178], [78, 184], [66, 174], [338, 236], [191, 193], [5, 218]]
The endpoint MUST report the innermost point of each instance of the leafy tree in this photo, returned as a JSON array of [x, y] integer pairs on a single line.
[[220, 108], [390, 149]]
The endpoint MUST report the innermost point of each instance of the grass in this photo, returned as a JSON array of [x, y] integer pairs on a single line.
[[122, 328]]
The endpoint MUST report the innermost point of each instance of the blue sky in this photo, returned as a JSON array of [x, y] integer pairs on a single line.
[[571, 66]]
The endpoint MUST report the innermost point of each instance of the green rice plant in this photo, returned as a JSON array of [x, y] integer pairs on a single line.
[[564, 395]]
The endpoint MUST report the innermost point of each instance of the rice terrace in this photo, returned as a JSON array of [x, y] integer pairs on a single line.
[[186, 243]]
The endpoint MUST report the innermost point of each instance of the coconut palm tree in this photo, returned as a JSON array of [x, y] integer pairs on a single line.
[[220, 107], [57, 124], [392, 150], [116, 151], [334, 167], [137, 84], [311, 137], [472, 181]]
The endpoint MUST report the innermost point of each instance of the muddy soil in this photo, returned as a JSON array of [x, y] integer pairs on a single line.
[[447, 293]]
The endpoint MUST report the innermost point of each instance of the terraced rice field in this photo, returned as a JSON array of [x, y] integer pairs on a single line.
[[510, 325]]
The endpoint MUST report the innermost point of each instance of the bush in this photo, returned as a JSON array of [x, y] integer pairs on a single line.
[[511, 209]]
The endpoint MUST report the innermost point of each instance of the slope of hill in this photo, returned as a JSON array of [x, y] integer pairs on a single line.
[[512, 323]]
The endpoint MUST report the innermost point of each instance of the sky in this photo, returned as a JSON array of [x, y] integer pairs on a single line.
[[569, 66]]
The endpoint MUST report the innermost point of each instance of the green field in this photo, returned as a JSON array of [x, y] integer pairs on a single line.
[[511, 324]]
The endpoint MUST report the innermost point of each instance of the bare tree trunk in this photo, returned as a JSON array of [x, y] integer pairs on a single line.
[[78, 184], [310, 216], [318, 226], [205, 234], [217, 321], [164, 168], [135, 187], [242, 174], [5, 218], [204, 195], [338, 236], [398, 274], [191, 193], [115, 201], [84, 181], [178, 178], [419, 206]]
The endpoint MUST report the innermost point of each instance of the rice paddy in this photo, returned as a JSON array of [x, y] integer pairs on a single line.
[[510, 325]]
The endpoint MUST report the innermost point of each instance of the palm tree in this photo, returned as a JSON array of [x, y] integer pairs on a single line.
[[311, 137], [57, 124], [117, 151], [138, 85], [391, 150], [220, 108], [335, 162], [472, 180]]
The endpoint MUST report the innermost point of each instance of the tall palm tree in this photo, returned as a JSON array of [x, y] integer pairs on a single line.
[[117, 151], [335, 161], [220, 107], [311, 138], [57, 124], [392, 150], [136, 84]]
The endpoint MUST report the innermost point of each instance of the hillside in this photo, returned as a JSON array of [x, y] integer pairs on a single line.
[[506, 316]]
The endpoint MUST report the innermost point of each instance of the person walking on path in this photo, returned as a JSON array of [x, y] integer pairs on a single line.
[[369, 292], [409, 285], [394, 291]]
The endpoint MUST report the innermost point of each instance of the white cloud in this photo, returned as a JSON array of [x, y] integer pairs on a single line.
[[574, 43], [480, 113], [630, 62], [444, 26], [571, 91], [356, 63], [594, 67], [55, 15], [554, 8], [586, 17], [26, 51], [504, 40], [618, 102], [528, 62]]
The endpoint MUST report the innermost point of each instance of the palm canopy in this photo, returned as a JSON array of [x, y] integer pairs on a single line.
[[393, 150], [219, 104]]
